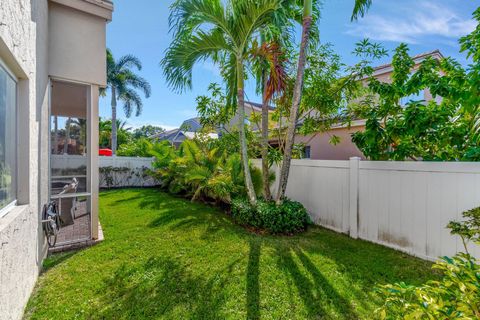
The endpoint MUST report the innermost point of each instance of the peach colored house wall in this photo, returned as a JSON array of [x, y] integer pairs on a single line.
[[321, 148]]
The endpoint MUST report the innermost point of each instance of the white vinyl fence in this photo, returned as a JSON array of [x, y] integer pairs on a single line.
[[119, 172], [403, 205]]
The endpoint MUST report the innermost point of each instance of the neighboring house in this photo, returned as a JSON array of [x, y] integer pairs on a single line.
[[191, 125], [52, 64], [190, 128], [177, 136], [318, 146]]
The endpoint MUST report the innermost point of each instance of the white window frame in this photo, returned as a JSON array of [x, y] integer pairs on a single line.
[[9, 207]]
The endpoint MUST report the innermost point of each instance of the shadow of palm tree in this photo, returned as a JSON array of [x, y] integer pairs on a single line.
[[317, 294], [253, 275], [162, 287]]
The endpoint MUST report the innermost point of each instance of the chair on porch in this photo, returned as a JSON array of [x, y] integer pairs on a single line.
[[67, 206]]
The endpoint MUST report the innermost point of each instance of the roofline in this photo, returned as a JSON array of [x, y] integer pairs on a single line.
[[385, 68]]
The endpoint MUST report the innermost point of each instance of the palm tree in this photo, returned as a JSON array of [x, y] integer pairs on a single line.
[[123, 83], [276, 38], [221, 31], [360, 8]]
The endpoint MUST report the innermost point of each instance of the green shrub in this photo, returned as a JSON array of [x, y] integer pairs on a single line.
[[455, 296], [201, 172], [288, 218]]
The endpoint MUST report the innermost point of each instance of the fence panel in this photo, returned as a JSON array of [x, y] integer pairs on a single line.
[[118, 172], [403, 205]]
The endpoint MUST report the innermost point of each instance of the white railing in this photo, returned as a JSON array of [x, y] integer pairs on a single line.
[[403, 205]]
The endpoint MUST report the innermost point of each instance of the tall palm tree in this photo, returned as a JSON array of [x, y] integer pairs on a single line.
[[221, 31], [123, 83], [275, 39], [360, 8]]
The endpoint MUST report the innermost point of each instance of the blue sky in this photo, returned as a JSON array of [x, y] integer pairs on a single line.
[[140, 28]]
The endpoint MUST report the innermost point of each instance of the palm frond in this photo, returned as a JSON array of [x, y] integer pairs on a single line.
[[183, 53], [137, 82], [128, 61], [131, 99], [360, 8]]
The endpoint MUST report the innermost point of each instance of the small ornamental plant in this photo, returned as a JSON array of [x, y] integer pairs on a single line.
[[455, 296]]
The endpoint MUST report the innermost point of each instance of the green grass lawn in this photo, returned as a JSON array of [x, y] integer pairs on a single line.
[[168, 258]]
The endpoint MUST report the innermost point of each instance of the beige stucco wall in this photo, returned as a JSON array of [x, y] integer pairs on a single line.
[[322, 149], [33, 44], [23, 48], [76, 45]]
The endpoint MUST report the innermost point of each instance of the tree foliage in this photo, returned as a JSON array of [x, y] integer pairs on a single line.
[[146, 131], [202, 171], [445, 128]]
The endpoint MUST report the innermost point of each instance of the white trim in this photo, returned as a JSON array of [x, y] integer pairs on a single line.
[[5, 210], [8, 71]]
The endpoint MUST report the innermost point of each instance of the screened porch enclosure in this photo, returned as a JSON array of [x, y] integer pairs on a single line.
[[71, 160]]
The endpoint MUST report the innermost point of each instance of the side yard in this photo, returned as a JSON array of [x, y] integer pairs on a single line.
[[166, 257]]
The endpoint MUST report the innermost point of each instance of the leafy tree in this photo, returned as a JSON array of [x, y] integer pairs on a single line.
[[123, 84], [221, 31], [105, 133], [360, 8], [445, 128], [147, 131], [136, 148]]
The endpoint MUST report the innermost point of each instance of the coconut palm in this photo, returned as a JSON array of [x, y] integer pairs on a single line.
[[221, 31], [123, 84], [360, 8]]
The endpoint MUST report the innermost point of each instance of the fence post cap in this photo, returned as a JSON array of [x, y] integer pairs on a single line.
[[355, 158]]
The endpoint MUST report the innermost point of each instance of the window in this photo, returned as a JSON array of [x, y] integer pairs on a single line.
[[8, 95], [307, 152]]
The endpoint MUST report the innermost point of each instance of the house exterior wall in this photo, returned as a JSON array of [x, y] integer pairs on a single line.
[[321, 148], [23, 50], [79, 37]]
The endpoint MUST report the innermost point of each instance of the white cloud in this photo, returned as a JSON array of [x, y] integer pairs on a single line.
[[413, 22]]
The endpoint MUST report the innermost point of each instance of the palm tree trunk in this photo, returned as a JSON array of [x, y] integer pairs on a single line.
[[114, 122], [67, 136], [241, 128], [55, 137], [264, 151], [297, 96]]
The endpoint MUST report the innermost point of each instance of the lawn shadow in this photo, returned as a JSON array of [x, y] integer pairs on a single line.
[[181, 214], [56, 259], [253, 275], [312, 286], [163, 287], [367, 263]]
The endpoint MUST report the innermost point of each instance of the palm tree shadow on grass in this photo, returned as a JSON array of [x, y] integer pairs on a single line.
[[182, 214], [252, 281], [162, 287], [312, 286]]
